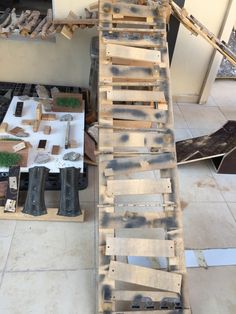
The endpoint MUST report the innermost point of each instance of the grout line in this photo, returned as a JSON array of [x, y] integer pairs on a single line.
[[8, 254], [234, 218], [48, 270]]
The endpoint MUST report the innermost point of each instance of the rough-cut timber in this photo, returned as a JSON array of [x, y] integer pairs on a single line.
[[139, 210]]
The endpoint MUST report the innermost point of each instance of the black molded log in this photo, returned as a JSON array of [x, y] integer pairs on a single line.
[[35, 202], [69, 199]]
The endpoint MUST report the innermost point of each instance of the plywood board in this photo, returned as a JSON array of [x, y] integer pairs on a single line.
[[139, 247], [138, 186], [147, 277]]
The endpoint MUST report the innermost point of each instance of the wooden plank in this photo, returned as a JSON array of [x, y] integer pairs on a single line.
[[142, 163], [137, 220], [185, 311], [138, 54], [139, 247], [124, 295], [134, 10], [147, 277], [50, 216], [138, 186], [134, 39], [127, 124], [128, 72], [136, 95], [137, 113], [137, 139]]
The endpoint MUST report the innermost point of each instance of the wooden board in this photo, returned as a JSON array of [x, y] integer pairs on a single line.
[[209, 146], [51, 216], [147, 277], [138, 186], [136, 95], [138, 54], [139, 247], [138, 139], [137, 164], [155, 296], [136, 113]]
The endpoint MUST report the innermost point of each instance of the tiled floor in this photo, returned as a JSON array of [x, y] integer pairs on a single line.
[[48, 268]]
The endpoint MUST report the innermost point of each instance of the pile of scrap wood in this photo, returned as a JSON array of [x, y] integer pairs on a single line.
[[73, 21], [29, 24]]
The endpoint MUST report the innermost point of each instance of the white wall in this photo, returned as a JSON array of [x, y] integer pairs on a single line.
[[192, 54], [64, 62]]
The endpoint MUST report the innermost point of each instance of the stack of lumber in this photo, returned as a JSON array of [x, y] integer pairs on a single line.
[[140, 261]]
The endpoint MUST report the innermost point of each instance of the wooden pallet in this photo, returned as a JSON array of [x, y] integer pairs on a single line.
[[135, 136]]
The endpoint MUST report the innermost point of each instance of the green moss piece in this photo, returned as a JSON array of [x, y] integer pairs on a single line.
[[68, 102], [9, 159]]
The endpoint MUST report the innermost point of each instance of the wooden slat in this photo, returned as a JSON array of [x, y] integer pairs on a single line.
[[139, 247], [124, 295], [139, 113], [138, 186], [134, 39], [138, 54], [147, 277], [142, 163], [185, 311], [137, 139], [132, 10], [136, 95], [127, 72], [137, 220]]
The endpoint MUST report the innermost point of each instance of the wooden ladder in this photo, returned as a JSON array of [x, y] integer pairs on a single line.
[[140, 263]]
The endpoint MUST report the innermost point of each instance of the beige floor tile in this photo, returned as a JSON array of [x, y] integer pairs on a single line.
[[224, 93], [209, 225], [202, 132], [197, 183], [182, 134], [229, 111], [226, 184], [179, 121], [232, 207], [6, 233], [213, 291], [47, 245], [5, 244], [210, 102], [59, 292], [200, 116], [7, 228]]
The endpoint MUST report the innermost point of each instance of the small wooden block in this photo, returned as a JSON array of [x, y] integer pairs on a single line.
[[36, 125], [42, 144], [73, 144], [3, 127], [48, 117], [16, 130], [47, 130], [19, 147], [19, 109], [27, 122], [55, 150], [39, 112]]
